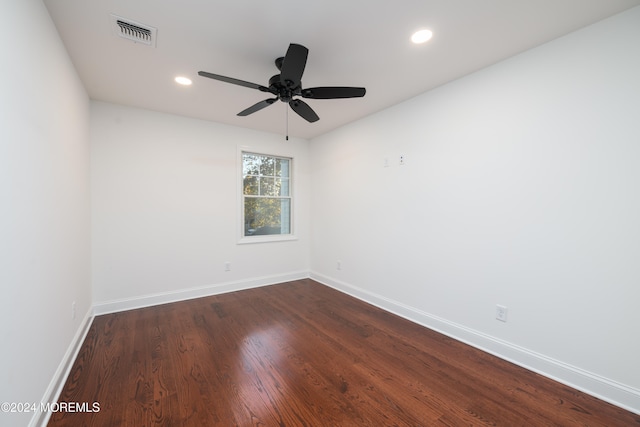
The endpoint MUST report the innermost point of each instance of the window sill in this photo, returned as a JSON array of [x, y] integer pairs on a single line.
[[266, 239]]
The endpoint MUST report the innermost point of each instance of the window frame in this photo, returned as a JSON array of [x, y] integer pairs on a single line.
[[242, 239]]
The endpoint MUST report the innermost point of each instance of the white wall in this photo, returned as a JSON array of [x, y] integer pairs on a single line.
[[44, 207], [520, 188], [165, 214]]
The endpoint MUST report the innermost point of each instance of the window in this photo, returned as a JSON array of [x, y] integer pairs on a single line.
[[266, 195]]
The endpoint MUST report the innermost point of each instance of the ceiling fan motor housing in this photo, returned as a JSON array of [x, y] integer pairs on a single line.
[[284, 93]]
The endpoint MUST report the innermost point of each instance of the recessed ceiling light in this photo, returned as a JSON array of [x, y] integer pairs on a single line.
[[421, 36], [183, 81]]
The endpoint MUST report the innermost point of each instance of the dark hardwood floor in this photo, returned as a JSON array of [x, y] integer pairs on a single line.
[[303, 354]]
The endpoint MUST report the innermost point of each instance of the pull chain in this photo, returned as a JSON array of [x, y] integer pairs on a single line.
[[287, 120]]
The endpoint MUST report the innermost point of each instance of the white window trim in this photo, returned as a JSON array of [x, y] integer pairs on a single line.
[[242, 239]]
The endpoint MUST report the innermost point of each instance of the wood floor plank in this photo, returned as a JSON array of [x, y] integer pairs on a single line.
[[303, 354]]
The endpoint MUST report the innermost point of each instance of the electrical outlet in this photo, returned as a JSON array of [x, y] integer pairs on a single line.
[[338, 265], [227, 266], [73, 310], [501, 313], [403, 160]]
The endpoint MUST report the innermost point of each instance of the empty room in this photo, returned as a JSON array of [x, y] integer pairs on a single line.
[[410, 213]]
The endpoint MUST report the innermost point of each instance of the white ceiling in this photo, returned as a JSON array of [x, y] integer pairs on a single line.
[[351, 43]]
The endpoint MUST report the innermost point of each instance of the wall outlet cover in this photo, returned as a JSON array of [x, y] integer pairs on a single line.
[[501, 313]]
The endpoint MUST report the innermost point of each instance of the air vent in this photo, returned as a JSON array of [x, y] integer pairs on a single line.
[[132, 30]]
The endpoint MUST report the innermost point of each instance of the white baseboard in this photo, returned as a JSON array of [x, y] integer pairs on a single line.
[[610, 391], [191, 293], [60, 376]]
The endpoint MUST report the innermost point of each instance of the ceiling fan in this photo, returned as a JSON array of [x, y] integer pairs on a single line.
[[288, 84]]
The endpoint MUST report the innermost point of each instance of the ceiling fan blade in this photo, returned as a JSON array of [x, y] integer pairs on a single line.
[[233, 81], [257, 107], [331, 92], [303, 110], [293, 65]]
